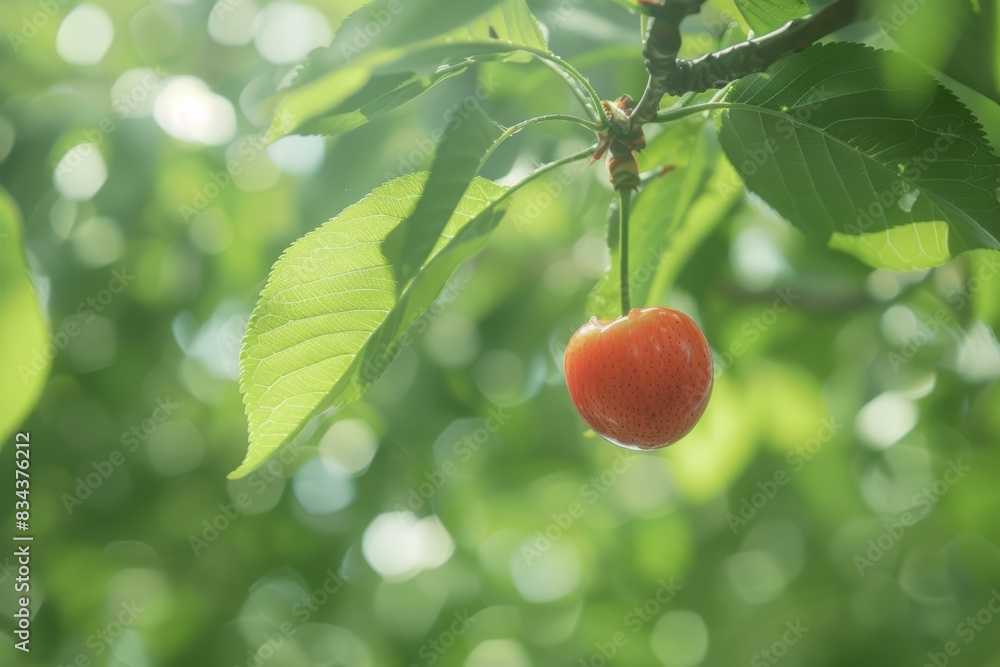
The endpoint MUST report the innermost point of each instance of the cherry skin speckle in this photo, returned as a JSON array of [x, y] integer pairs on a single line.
[[643, 380]]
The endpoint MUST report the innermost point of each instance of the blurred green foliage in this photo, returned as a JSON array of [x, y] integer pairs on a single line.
[[835, 506]]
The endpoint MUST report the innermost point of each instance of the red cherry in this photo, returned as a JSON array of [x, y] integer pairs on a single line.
[[643, 380]]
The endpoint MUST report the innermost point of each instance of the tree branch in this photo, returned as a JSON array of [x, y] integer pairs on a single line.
[[660, 53], [669, 74]]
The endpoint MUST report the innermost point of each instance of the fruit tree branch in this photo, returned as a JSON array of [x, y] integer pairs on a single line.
[[669, 74]]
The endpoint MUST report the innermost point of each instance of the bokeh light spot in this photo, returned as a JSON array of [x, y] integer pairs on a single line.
[[323, 486], [500, 375], [755, 576], [397, 545], [899, 325], [211, 232], [286, 32], [978, 358], [97, 241], [550, 574], [498, 653], [232, 23], [81, 172], [591, 256], [351, 443], [452, 339], [188, 110], [175, 447], [756, 259], [133, 93], [884, 420], [85, 35], [680, 639], [302, 156], [882, 284]]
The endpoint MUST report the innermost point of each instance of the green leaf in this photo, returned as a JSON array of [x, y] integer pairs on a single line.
[[922, 245], [24, 366], [386, 26], [719, 195], [855, 158], [339, 90], [671, 215], [959, 39], [764, 16], [456, 163], [333, 313]]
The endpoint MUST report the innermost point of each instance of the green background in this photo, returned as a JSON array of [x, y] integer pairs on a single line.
[[842, 481]]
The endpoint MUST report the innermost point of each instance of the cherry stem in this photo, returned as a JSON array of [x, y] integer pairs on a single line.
[[624, 197]]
